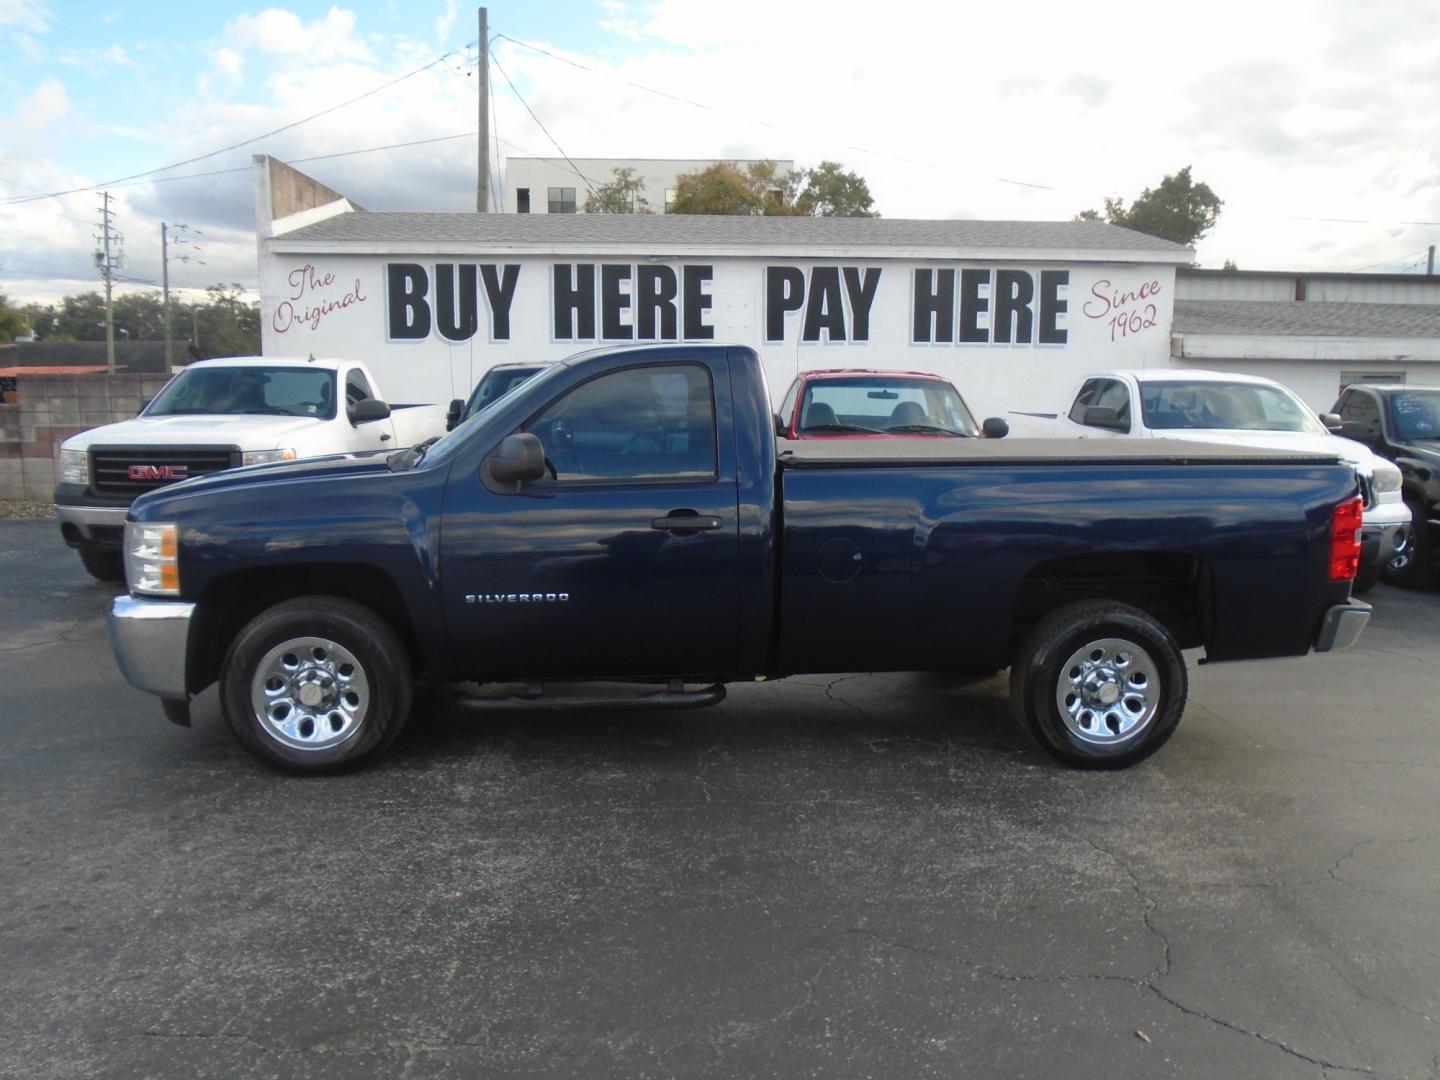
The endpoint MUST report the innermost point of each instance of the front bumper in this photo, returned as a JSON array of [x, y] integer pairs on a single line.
[[87, 519], [1342, 625], [151, 640], [1381, 543]]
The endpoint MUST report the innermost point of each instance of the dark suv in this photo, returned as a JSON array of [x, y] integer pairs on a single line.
[[1402, 423]]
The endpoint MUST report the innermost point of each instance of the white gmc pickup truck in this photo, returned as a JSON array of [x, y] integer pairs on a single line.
[[1232, 409], [221, 414]]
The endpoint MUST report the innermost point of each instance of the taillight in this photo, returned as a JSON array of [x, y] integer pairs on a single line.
[[1345, 539]]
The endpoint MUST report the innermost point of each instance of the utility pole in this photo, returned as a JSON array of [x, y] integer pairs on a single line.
[[165, 286], [482, 178], [1430, 262], [167, 241], [106, 264]]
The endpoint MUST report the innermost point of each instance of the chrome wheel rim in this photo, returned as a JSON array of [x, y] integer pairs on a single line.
[[1107, 691], [309, 693], [1404, 549]]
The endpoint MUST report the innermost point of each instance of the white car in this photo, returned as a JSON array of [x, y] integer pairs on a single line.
[[220, 414], [1242, 410]]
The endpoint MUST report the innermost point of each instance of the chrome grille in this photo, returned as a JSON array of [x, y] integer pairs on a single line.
[[111, 466]]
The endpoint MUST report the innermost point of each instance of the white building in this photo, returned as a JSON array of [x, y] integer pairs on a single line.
[[1013, 312], [1316, 333], [560, 186]]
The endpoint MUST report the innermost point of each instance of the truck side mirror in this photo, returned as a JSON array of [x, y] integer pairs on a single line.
[[143, 405], [519, 459], [780, 431], [994, 428], [368, 410], [1332, 422], [1102, 416], [1360, 431], [452, 414]]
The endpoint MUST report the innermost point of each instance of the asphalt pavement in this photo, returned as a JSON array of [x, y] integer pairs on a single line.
[[863, 875]]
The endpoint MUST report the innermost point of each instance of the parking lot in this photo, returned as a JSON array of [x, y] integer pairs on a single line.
[[853, 876]]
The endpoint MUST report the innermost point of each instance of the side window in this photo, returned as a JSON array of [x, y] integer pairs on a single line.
[[1083, 400], [648, 424], [1115, 395], [1360, 408], [357, 388]]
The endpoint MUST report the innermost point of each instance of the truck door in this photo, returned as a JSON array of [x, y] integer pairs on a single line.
[[1110, 395], [623, 561], [372, 434]]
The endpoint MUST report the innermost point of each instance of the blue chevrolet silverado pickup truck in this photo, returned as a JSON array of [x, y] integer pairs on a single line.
[[628, 516]]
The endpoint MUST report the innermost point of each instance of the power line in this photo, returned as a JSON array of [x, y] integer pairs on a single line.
[[542, 127], [736, 116], [243, 142], [1387, 262]]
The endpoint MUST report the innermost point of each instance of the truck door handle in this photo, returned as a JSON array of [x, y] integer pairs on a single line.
[[685, 521]]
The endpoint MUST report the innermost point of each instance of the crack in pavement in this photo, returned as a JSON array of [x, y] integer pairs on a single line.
[[830, 693], [1163, 968], [62, 637]]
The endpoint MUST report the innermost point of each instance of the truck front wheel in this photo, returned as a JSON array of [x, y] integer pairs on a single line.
[[316, 684], [1098, 684], [103, 564]]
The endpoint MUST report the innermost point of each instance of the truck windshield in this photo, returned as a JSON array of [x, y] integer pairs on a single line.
[[1227, 406], [495, 385], [884, 403], [278, 391], [1416, 414]]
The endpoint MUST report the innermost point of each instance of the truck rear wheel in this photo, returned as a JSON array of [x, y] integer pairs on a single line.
[[1098, 684], [316, 684], [103, 564]]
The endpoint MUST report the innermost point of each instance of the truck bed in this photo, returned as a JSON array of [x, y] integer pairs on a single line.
[[848, 453]]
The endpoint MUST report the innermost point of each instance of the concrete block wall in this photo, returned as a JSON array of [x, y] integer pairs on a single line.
[[48, 410]]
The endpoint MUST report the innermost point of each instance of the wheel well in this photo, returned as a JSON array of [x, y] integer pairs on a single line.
[[1175, 588], [228, 603]]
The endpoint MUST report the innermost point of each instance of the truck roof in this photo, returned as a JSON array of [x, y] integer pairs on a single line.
[[1182, 375], [323, 363], [841, 373], [1391, 388]]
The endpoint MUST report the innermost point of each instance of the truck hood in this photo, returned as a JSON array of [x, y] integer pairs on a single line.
[[304, 469], [1428, 452], [245, 431], [1357, 454]]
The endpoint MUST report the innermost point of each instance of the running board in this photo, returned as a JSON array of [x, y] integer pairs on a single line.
[[535, 699]]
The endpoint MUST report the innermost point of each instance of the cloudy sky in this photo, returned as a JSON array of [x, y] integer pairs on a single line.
[[1318, 122]]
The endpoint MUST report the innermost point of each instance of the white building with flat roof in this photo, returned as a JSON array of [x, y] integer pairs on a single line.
[[1315, 332], [561, 185], [1013, 312]]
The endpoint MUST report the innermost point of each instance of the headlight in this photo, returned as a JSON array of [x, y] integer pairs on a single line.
[[73, 467], [1386, 478], [264, 457], [151, 552]]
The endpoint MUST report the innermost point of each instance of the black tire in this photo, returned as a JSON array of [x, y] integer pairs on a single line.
[[342, 634], [1044, 660], [1418, 572], [1366, 578], [103, 564]]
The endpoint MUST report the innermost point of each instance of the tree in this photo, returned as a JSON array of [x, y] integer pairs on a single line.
[[624, 194], [227, 325], [12, 321], [1179, 209], [142, 315], [832, 192], [718, 189], [722, 188]]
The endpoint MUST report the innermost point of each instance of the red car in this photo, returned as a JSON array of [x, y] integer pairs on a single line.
[[863, 404]]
